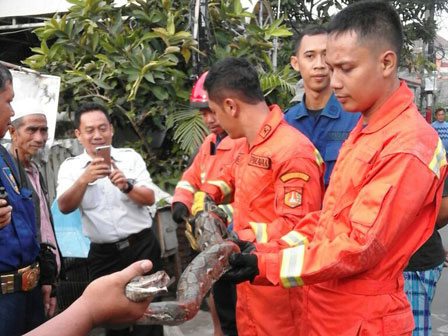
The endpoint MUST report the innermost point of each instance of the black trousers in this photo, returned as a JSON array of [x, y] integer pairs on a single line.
[[224, 295], [105, 259]]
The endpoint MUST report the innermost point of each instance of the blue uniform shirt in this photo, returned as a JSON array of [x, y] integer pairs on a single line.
[[327, 132], [18, 240]]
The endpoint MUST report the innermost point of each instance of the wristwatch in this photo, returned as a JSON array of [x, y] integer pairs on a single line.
[[129, 186]]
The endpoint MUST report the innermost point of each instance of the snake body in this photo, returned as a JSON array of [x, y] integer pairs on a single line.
[[200, 274]]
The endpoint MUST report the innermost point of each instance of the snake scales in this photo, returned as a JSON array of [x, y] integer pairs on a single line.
[[195, 281]]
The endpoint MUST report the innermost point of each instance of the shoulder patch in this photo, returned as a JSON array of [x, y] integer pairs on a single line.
[[260, 161], [294, 175], [10, 178]]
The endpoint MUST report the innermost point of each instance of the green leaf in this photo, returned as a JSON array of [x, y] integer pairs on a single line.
[[149, 77], [281, 32], [102, 84], [170, 27], [160, 93]]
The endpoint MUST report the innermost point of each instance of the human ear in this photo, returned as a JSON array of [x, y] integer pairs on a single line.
[[389, 63], [231, 106], [294, 63], [78, 134], [12, 130]]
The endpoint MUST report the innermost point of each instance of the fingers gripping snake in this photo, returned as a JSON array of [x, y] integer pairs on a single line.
[[195, 281]]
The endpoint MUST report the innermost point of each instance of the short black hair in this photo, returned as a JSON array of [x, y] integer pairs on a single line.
[[5, 77], [235, 76], [440, 109], [89, 107], [371, 19], [310, 30]]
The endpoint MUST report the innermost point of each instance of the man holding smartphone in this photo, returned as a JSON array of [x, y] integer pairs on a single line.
[[113, 200]]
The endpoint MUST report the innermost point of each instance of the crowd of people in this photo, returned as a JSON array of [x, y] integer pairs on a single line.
[[335, 236]]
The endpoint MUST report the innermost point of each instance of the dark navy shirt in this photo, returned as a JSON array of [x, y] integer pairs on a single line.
[[18, 239], [327, 132]]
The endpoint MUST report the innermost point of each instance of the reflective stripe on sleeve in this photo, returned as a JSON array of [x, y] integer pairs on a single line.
[[261, 234], [319, 159], [294, 238], [291, 267], [228, 209], [185, 185], [439, 159], [224, 187]]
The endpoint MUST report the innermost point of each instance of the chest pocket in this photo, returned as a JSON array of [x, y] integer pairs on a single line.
[[91, 197], [357, 166]]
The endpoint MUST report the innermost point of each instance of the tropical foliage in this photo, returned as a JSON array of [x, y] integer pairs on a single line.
[[137, 60]]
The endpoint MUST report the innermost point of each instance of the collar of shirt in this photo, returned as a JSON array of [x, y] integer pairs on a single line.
[[274, 118], [331, 110], [394, 106]]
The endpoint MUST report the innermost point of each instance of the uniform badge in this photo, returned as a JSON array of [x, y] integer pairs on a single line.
[[10, 178], [294, 175], [293, 199], [265, 131]]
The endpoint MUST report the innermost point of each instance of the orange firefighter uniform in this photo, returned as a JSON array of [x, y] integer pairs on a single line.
[[208, 163], [380, 207], [273, 184]]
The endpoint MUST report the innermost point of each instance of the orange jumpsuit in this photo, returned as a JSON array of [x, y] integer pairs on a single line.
[[380, 207], [273, 184], [207, 164]]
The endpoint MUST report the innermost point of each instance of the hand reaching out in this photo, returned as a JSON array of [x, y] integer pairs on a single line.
[[105, 298]]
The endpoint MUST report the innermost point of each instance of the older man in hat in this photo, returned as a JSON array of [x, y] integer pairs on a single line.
[[29, 133]]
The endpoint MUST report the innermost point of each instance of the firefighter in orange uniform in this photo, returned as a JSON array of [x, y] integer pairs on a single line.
[[215, 153], [383, 197], [275, 181]]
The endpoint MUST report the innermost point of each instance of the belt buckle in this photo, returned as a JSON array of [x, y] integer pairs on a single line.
[[7, 282], [30, 278], [122, 244]]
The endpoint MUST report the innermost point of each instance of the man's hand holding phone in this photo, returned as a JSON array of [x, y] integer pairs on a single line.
[[117, 178], [96, 169]]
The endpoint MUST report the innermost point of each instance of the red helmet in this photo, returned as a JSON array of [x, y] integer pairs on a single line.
[[199, 97]]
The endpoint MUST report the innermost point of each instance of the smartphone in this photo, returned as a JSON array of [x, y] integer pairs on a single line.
[[104, 152]]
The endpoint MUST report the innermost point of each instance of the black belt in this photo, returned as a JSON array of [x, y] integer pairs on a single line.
[[123, 243], [24, 279]]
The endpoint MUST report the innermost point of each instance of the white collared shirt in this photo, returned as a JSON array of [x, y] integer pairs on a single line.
[[108, 215]]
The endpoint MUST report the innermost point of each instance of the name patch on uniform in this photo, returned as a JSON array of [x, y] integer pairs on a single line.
[[10, 178], [293, 199], [294, 175], [260, 161], [265, 131]]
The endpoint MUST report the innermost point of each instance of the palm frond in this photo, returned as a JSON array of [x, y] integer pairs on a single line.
[[190, 129], [270, 81]]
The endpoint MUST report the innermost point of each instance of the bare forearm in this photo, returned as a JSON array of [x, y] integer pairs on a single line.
[[142, 195], [71, 199], [74, 321]]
